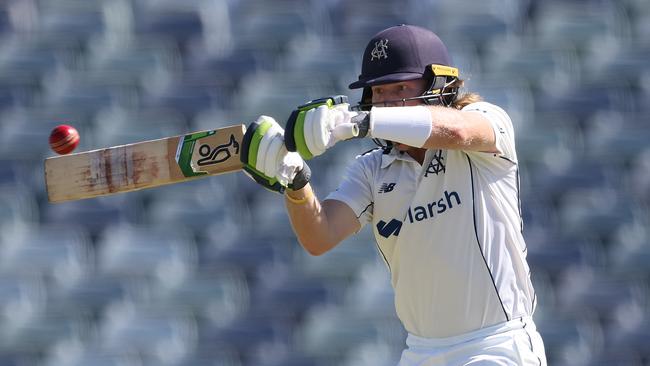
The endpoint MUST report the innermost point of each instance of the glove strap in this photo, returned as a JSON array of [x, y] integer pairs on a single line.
[[302, 178], [269, 183], [362, 120]]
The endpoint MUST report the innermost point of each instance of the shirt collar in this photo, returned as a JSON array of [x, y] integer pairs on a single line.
[[394, 154]]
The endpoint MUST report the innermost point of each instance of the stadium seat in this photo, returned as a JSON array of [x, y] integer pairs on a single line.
[[546, 140], [273, 217], [24, 133], [159, 336], [628, 331], [563, 174], [581, 212], [249, 253], [591, 289], [269, 27], [280, 295], [614, 356], [373, 354], [85, 357], [339, 264], [219, 293], [542, 66], [187, 94], [89, 294], [370, 294], [276, 94], [61, 253], [508, 12], [201, 205], [18, 88], [620, 59], [132, 56], [513, 94], [583, 100], [35, 334], [615, 137], [639, 12], [33, 56], [247, 336], [567, 339], [88, 91], [5, 24], [146, 252], [66, 18], [94, 214], [21, 297], [167, 19], [578, 23], [334, 327], [10, 173], [639, 176], [231, 67], [119, 126], [629, 252], [294, 359], [88, 352], [18, 206], [554, 255], [323, 59], [359, 20]]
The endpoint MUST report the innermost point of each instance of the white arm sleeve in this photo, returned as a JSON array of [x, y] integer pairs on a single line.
[[504, 132], [355, 191]]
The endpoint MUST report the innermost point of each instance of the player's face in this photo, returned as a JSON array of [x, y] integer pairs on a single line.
[[392, 94]]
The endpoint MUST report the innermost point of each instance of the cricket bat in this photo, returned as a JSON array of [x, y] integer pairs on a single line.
[[144, 164]]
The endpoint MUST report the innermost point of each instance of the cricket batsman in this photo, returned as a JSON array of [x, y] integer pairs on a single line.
[[441, 193]]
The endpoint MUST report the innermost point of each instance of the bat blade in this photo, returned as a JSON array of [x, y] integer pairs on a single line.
[[143, 165]]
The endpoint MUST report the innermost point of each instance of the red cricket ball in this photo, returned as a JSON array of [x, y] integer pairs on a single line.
[[64, 139]]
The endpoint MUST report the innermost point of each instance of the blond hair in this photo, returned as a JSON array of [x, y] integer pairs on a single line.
[[465, 98]]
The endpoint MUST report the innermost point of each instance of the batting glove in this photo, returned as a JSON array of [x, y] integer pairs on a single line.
[[266, 159], [318, 125]]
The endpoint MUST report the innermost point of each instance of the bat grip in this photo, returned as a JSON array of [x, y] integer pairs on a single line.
[[346, 131]]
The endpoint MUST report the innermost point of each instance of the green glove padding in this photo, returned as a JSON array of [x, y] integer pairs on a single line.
[[294, 137], [249, 152], [250, 146]]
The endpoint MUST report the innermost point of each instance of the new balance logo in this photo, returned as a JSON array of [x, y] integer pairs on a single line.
[[387, 229], [386, 187]]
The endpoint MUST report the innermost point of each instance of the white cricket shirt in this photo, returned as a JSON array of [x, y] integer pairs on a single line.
[[450, 231]]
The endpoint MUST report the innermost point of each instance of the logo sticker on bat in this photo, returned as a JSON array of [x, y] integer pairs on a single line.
[[219, 154], [207, 155]]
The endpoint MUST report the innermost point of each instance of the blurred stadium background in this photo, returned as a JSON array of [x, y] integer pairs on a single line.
[[209, 273]]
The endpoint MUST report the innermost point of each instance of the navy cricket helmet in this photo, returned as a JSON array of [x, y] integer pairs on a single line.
[[407, 52]]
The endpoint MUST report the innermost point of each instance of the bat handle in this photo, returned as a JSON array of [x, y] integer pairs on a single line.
[[346, 131]]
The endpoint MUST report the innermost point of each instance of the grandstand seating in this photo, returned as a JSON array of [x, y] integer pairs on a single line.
[[209, 272]]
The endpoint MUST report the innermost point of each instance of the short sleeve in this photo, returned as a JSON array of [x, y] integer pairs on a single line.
[[502, 126], [355, 190]]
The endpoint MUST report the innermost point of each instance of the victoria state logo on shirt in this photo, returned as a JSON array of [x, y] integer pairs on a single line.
[[420, 213], [437, 164]]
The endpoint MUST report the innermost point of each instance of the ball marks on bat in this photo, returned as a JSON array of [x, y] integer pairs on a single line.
[[64, 139]]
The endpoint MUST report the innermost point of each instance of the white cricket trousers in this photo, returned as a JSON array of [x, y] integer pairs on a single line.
[[515, 342]]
